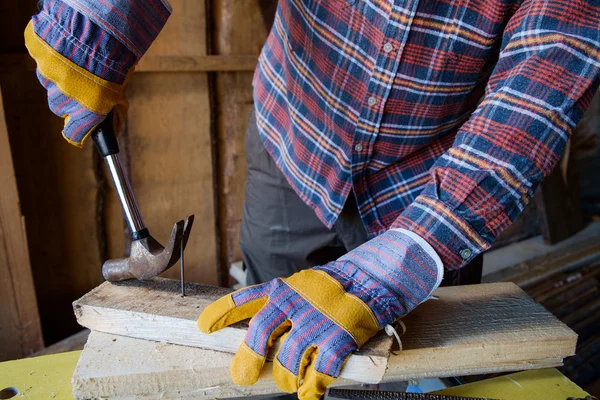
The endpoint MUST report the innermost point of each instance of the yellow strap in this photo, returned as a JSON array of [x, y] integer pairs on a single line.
[[95, 94], [329, 297]]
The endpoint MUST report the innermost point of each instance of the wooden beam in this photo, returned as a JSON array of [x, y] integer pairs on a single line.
[[154, 310], [20, 331], [10, 62], [470, 329], [198, 63], [532, 271]]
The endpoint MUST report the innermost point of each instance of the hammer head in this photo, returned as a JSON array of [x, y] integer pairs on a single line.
[[148, 258]]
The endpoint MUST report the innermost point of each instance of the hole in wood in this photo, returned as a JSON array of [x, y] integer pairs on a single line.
[[8, 393]]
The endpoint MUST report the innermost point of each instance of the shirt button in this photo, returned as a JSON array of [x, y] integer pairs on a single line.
[[372, 101], [465, 253], [388, 47], [358, 147]]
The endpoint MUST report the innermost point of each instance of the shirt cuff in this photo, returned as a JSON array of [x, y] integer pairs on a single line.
[[451, 237]]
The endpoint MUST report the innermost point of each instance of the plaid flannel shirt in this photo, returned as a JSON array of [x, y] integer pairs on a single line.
[[382, 97]]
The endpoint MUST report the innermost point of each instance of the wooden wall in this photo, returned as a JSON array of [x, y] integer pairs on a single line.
[[182, 145]]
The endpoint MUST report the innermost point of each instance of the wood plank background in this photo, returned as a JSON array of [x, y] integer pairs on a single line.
[[20, 331], [182, 146]]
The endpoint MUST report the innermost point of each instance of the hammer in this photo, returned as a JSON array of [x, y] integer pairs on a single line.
[[147, 257]]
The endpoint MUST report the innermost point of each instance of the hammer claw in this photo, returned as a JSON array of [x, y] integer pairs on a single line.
[[148, 258]]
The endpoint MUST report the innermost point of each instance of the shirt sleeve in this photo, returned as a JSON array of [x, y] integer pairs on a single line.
[[547, 72]]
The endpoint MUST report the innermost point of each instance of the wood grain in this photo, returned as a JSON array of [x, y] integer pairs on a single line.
[[154, 310], [480, 328], [239, 28], [155, 63], [58, 189], [468, 330], [168, 143], [20, 330], [118, 367], [169, 152]]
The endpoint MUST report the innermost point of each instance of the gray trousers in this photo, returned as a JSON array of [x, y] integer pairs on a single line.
[[280, 235]]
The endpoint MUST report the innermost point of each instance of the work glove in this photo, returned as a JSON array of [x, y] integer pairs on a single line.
[[321, 315], [86, 51]]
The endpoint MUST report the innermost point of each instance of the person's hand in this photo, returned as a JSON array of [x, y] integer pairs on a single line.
[[86, 52], [320, 315]]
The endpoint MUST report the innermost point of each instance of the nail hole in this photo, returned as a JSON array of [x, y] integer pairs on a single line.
[[8, 393]]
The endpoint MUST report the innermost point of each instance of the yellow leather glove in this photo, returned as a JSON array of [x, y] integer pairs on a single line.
[[320, 316]]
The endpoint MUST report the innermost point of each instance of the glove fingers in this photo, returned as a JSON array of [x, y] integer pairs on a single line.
[[234, 307], [287, 380], [251, 356], [314, 383]]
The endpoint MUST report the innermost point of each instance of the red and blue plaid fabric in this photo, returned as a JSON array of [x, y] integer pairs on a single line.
[[382, 97], [390, 292], [105, 37]]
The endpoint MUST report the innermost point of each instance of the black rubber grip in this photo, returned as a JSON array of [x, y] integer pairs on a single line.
[[105, 139], [139, 235]]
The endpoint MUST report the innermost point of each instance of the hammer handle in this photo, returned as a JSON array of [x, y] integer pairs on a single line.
[[106, 143]]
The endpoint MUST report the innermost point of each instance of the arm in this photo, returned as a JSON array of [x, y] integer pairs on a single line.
[[546, 75], [86, 52], [548, 69]]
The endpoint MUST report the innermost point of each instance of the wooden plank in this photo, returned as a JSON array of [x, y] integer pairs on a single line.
[[58, 193], [168, 143], [241, 28], [121, 367], [470, 329], [155, 63], [154, 310], [57, 185], [169, 152], [480, 329], [536, 269], [20, 330], [241, 62]]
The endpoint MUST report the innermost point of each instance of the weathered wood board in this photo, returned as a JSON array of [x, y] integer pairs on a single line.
[[20, 331], [468, 330], [117, 367], [154, 310]]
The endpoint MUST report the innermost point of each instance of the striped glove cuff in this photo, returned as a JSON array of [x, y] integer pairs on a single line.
[[392, 273]]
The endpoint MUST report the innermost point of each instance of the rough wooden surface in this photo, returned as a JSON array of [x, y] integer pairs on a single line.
[[59, 188], [168, 143], [239, 28], [240, 62], [121, 368], [469, 330], [154, 310], [20, 331], [480, 329]]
